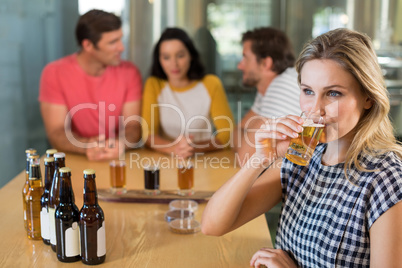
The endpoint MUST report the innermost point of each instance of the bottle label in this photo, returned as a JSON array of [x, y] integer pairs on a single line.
[[101, 240], [52, 225], [73, 244], [44, 224]]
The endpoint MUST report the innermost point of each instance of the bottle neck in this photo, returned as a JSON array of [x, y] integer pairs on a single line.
[[35, 184], [90, 193], [27, 166], [66, 190], [59, 163], [35, 177], [27, 170], [55, 184], [49, 173]]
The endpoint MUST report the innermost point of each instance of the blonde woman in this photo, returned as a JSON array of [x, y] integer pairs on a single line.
[[343, 209]]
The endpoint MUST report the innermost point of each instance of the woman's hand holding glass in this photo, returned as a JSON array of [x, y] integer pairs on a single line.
[[302, 147], [273, 138]]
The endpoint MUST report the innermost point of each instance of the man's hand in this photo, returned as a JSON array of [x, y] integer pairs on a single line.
[[105, 149]]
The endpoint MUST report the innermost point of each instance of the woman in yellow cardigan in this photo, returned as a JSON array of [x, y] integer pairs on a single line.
[[185, 111]]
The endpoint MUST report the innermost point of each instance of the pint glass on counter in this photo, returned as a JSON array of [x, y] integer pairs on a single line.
[[185, 178], [151, 180], [118, 176]]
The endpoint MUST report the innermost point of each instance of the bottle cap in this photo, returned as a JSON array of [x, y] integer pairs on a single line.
[[89, 172], [59, 155], [65, 170], [51, 151], [34, 156], [30, 151], [48, 159]]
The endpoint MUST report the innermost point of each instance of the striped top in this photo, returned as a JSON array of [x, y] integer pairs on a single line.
[[200, 109], [325, 219], [281, 97]]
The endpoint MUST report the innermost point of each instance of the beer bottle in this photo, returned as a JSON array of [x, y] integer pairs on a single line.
[[28, 152], [33, 197], [92, 223], [67, 217], [44, 201], [50, 152], [54, 198]]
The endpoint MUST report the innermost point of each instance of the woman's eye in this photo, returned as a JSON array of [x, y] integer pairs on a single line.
[[308, 91], [334, 93]]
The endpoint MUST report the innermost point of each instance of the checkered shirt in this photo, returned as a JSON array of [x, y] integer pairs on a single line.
[[325, 219]]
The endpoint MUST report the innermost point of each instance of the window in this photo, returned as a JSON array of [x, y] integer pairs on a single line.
[[115, 6]]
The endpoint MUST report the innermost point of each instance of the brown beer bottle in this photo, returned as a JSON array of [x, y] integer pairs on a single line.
[[33, 197], [54, 196], [44, 201], [50, 152], [92, 223], [67, 218], [28, 152]]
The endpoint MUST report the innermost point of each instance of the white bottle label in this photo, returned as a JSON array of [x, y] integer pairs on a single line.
[[72, 238], [44, 224], [25, 215], [101, 234], [52, 226]]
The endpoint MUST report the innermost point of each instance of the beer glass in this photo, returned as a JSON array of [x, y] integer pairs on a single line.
[[118, 176], [301, 148], [185, 178], [151, 180]]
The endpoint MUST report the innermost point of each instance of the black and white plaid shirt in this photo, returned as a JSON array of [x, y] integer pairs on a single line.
[[325, 219]]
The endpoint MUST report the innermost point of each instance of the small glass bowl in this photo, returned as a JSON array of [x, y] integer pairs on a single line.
[[184, 226], [178, 214], [180, 204]]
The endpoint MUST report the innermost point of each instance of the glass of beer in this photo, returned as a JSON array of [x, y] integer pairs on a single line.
[[301, 148], [118, 176], [151, 180], [185, 178]]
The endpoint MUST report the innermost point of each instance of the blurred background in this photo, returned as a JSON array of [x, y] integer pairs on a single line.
[[35, 32]]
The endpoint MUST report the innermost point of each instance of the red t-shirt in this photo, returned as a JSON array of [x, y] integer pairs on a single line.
[[94, 103]]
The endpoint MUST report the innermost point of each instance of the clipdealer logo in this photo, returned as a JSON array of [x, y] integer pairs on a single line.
[[199, 160], [243, 134], [186, 128]]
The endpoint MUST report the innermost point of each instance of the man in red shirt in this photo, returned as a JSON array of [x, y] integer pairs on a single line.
[[90, 100]]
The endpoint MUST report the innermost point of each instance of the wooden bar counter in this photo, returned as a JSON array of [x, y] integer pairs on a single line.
[[137, 234]]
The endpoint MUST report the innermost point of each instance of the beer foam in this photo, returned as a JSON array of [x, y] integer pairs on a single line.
[[314, 125], [310, 123]]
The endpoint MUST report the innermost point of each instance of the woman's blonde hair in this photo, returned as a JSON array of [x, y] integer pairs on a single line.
[[354, 52]]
